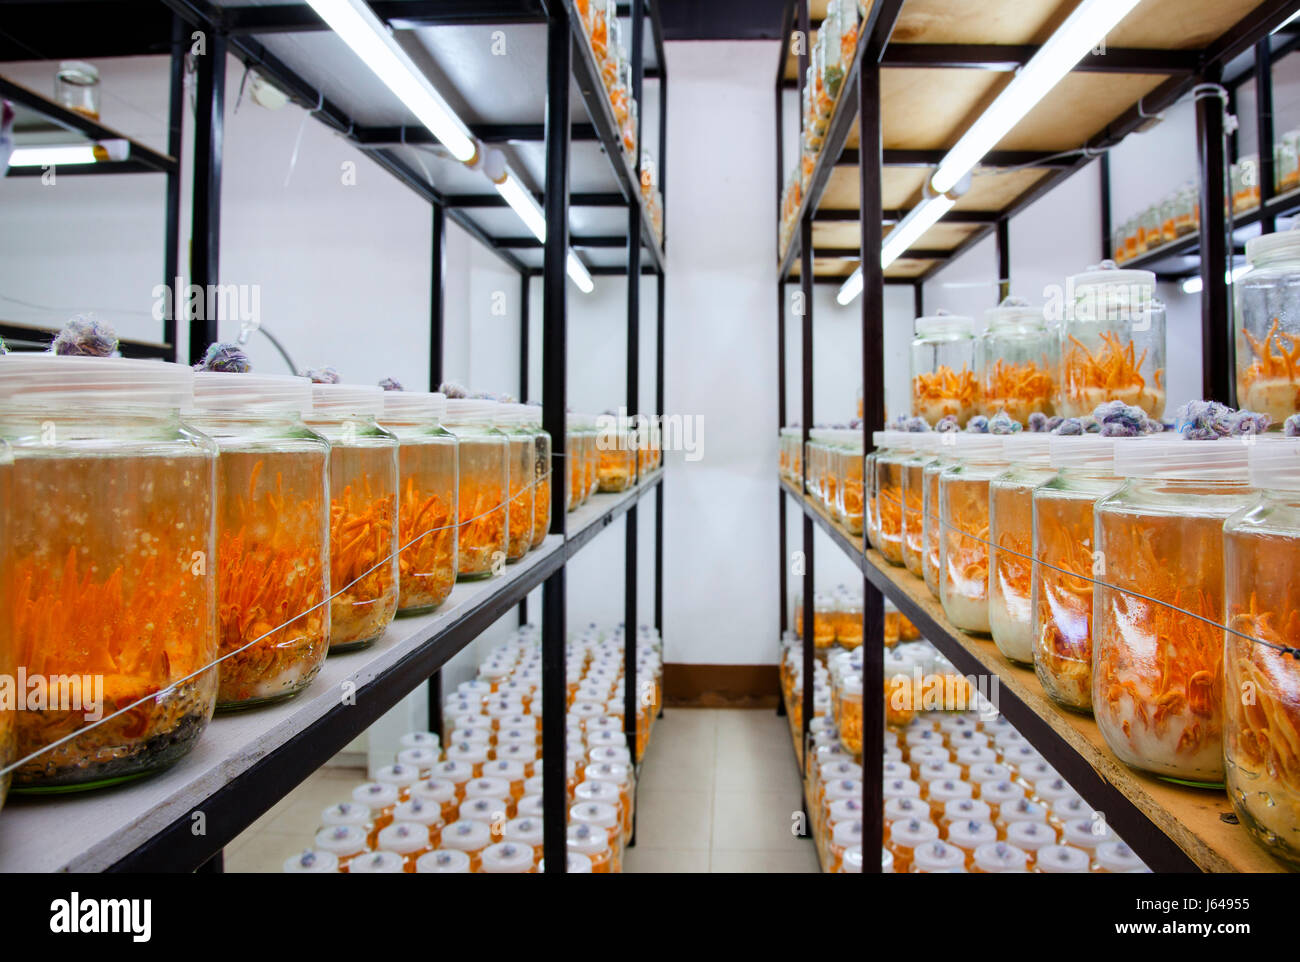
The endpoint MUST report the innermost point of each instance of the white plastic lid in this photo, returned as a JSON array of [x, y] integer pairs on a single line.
[[1027, 447], [588, 839], [1118, 857], [311, 862], [913, 832], [949, 790], [257, 393], [893, 439], [346, 813], [530, 805], [1107, 276], [483, 808], [971, 833], [846, 833], [1275, 464], [1283, 243], [505, 769], [341, 839], [510, 415], [852, 860], [403, 838], [594, 813], [414, 405], [939, 857], [1089, 452], [402, 776], [1001, 857], [905, 808], [421, 759], [375, 795], [526, 830], [467, 835], [575, 863], [454, 771], [471, 753], [470, 411], [1087, 833], [1178, 459], [996, 793], [487, 788], [1030, 836], [1061, 859], [507, 858], [942, 323], [1015, 310], [474, 736], [967, 810], [346, 401], [420, 740], [434, 790], [979, 447], [56, 380], [442, 862], [420, 811], [377, 863], [937, 769]]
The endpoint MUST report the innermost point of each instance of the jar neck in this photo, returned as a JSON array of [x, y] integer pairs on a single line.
[[19, 420]]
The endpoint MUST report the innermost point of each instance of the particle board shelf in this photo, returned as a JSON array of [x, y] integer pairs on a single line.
[[246, 761], [1172, 827]]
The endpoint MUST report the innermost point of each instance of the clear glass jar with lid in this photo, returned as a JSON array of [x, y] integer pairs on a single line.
[[484, 479], [615, 455], [76, 87], [849, 490], [1286, 162], [1268, 326], [1158, 643], [944, 376], [894, 450], [945, 455], [1018, 358], [1261, 557], [272, 534], [926, 444], [104, 579], [590, 457], [542, 474], [363, 512], [1066, 565], [1112, 342], [964, 516], [509, 419], [1011, 547], [426, 508]]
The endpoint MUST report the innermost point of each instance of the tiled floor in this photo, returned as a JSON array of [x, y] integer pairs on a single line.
[[719, 793]]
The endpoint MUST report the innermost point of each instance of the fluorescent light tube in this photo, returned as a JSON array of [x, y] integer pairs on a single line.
[[850, 289], [578, 274], [523, 203], [1194, 285], [369, 38], [52, 156], [909, 230], [1070, 43]]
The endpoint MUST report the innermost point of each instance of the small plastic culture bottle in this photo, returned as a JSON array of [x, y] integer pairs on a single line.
[[1085, 834], [349, 813], [1031, 837], [472, 754], [1063, 576], [407, 840], [469, 836], [999, 858], [381, 799], [964, 544], [1020, 810], [944, 379], [492, 812], [906, 838], [938, 858], [1018, 358], [525, 831], [507, 858], [443, 862], [426, 814], [997, 794], [272, 534], [1261, 558], [363, 512], [963, 810], [400, 776], [510, 420], [1157, 686], [458, 773], [1011, 548], [421, 759], [845, 835], [969, 835], [593, 842], [426, 503], [344, 842], [484, 464], [941, 793]]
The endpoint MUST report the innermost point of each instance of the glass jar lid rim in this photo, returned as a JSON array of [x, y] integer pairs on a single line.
[[1275, 463], [347, 400], [469, 410], [1268, 246], [251, 393], [944, 323], [1180, 459], [415, 405], [58, 380]]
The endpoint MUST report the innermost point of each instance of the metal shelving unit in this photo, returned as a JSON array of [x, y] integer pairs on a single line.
[[1172, 828], [246, 762]]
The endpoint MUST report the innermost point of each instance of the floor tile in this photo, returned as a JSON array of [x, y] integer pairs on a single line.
[[759, 821], [674, 820], [759, 861], [665, 860]]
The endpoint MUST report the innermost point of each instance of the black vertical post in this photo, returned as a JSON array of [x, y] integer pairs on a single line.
[[205, 222], [1264, 130], [873, 419], [523, 384], [1216, 341], [559, 49], [806, 419], [1004, 258], [437, 294], [1107, 227], [433, 699], [918, 306], [175, 142]]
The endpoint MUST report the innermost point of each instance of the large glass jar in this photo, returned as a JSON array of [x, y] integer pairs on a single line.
[[849, 489], [815, 459], [900, 446], [522, 479], [1011, 548], [1112, 342], [882, 443], [542, 475], [1261, 733], [484, 454], [1268, 327], [1157, 665], [944, 377], [914, 502], [426, 504], [363, 512], [945, 455], [964, 541], [272, 534], [1018, 359], [1066, 564], [109, 564], [615, 456]]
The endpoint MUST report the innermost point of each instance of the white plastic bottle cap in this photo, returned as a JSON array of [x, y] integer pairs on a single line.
[[1089, 453], [403, 838], [376, 863], [900, 787], [89, 383], [999, 793], [588, 839], [470, 411], [341, 840], [980, 447], [575, 864], [507, 858], [1030, 836], [1118, 857], [505, 769], [421, 759], [950, 790], [1178, 459], [594, 790], [1275, 463], [487, 787], [601, 814], [905, 808], [484, 809], [418, 811], [967, 810], [468, 753], [1027, 447], [939, 857], [420, 740], [375, 795], [472, 736], [443, 862], [472, 720], [467, 835], [530, 805], [1052, 790], [434, 790], [414, 405], [257, 393], [610, 755], [1001, 857], [976, 755], [526, 831], [989, 772], [1086, 833], [312, 862], [399, 776], [347, 401], [1061, 859], [1023, 810], [346, 813], [971, 834], [913, 832]]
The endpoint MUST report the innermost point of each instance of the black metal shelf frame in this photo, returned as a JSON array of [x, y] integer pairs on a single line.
[[860, 99], [235, 30]]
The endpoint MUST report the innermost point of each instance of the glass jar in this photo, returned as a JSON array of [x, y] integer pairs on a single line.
[[1187, 212], [76, 87], [906, 836], [363, 512], [1011, 548], [426, 505], [1018, 359], [849, 490], [895, 449], [615, 456], [593, 842], [484, 460], [1157, 686], [1261, 557], [945, 455], [1112, 342], [1066, 564], [469, 836], [109, 578], [542, 475], [1286, 162], [823, 620], [521, 478], [964, 515], [272, 534], [1268, 326], [944, 379], [1168, 213], [914, 502]]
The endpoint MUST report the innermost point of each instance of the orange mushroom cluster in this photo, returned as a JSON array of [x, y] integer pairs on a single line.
[[362, 582], [427, 561], [1019, 389], [1063, 641], [1270, 382], [1113, 373], [943, 392]]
